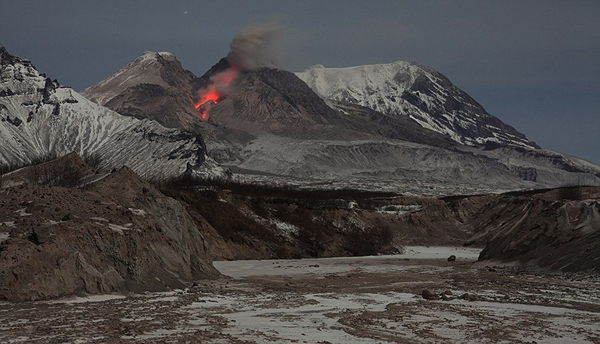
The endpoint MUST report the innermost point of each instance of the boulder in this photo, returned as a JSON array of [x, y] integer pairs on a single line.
[[469, 297], [452, 258], [40, 235], [429, 295], [68, 217]]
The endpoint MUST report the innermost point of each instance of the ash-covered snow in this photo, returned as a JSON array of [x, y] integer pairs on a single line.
[[399, 210]]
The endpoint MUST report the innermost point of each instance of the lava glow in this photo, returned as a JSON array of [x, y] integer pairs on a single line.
[[217, 90]]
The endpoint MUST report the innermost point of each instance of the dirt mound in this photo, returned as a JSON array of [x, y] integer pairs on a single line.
[[117, 234]]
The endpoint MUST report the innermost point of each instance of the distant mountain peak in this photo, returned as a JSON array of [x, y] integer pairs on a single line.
[[155, 54], [154, 85], [407, 88]]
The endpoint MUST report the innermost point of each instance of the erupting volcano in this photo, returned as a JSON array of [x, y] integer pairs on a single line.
[[249, 50], [215, 91]]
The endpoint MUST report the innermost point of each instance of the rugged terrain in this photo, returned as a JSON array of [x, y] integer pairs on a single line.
[[406, 88], [341, 300], [557, 229], [66, 228], [38, 117], [269, 121], [116, 233]]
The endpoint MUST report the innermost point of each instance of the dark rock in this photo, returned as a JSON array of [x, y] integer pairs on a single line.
[[469, 297], [14, 121], [68, 217], [35, 207], [40, 235], [56, 110], [452, 258], [429, 295]]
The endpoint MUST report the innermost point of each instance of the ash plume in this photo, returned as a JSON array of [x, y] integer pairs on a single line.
[[253, 46]]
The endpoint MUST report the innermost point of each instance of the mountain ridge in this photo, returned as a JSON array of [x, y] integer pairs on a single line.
[[39, 117], [408, 88], [271, 121]]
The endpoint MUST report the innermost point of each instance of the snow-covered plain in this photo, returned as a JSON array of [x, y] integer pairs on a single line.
[[322, 266]]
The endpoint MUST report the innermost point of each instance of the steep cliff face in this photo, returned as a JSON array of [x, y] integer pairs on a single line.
[[544, 230], [118, 234]]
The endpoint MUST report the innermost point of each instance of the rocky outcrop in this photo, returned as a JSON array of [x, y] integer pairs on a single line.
[[117, 234], [546, 229]]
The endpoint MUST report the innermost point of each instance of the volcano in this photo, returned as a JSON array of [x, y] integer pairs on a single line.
[[406, 124]]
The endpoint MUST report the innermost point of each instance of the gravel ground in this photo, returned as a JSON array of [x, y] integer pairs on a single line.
[[334, 300]]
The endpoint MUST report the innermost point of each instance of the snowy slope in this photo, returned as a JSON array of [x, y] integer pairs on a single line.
[[38, 117], [417, 91], [149, 68]]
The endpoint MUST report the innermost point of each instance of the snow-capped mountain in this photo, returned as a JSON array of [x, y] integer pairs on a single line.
[[38, 117], [272, 122], [419, 92]]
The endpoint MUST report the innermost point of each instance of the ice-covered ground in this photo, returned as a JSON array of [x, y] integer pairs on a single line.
[[337, 300], [321, 266]]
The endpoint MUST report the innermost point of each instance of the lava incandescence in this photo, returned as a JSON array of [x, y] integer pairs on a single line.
[[215, 91]]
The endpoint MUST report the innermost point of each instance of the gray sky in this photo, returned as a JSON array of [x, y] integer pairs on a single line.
[[533, 64]]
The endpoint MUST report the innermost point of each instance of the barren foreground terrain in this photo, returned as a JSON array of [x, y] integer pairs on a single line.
[[335, 300]]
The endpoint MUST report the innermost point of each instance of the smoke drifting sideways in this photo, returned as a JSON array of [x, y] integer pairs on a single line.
[[251, 48]]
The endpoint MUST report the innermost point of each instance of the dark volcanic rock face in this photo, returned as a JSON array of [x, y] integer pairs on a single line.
[[276, 101]]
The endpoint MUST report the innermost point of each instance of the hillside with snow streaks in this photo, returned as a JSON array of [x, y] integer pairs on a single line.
[[153, 86], [419, 92], [39, 117]]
